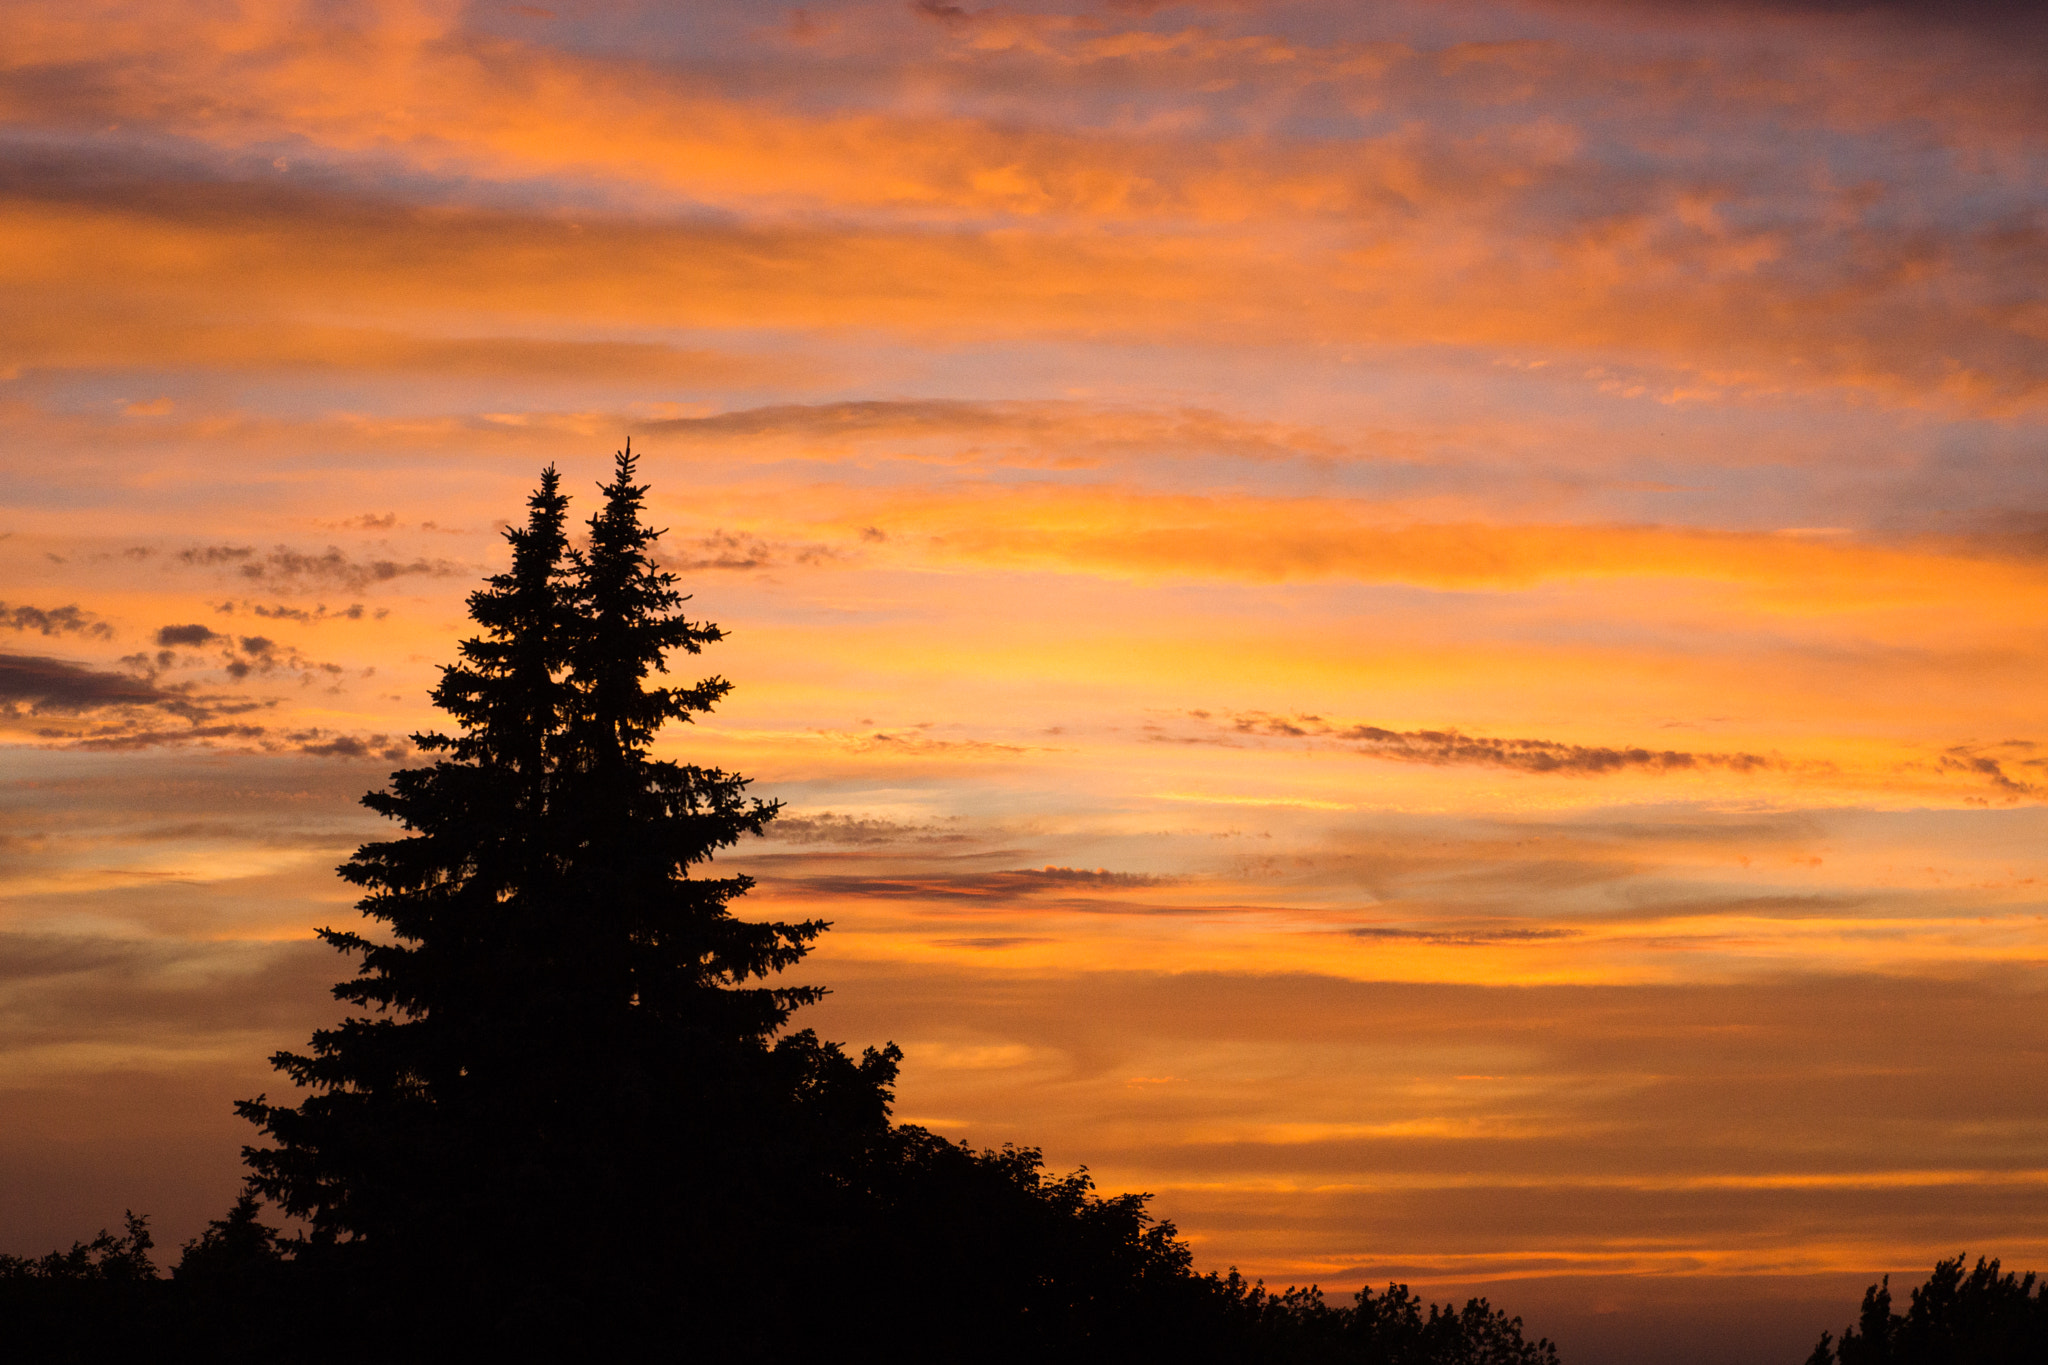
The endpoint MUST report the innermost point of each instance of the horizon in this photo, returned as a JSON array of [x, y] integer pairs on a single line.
[[1416, 629]]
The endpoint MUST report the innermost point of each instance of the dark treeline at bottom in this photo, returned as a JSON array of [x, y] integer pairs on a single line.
[[1021, 1269], [1017, 1268], [568, 1116]]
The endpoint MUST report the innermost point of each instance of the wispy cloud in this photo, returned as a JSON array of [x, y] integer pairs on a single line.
[[1443, 747], [730, 550], [288, 569], [56, 702], [1122, 530], [1997, 766], [305, 616], [68, 620], [829, 827], [41, 685], [1461, 938], [1063, 434], [1004, 886]]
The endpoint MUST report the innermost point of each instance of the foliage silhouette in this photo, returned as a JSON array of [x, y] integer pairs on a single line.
[[99, 1299], [1976, 1317], [106, 1258], [569, 1113], [239, 1248], [1298, 1327]]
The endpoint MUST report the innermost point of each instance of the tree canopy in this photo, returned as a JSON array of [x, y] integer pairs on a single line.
[[1958, 1317]]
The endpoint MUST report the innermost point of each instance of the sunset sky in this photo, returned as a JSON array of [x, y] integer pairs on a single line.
[[1420, 627]]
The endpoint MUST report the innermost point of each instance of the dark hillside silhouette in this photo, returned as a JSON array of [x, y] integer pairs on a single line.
[[569, 1114]]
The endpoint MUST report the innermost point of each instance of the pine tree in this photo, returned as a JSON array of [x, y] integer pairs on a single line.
[[382, 1139], [734, 1140], [566, 1040], [670, 955]]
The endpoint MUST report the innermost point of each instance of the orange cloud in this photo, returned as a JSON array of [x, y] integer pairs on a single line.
[[1122, 532], [1512, 236]]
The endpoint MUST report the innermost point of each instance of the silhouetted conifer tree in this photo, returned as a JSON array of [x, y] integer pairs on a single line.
[[392, 1134], [657, 948], [732, 1142], [563, 1046]]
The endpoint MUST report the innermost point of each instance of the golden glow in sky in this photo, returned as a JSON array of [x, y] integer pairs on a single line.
[[1418, 626]]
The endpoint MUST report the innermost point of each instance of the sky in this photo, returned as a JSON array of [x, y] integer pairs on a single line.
[[1415, 626]]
